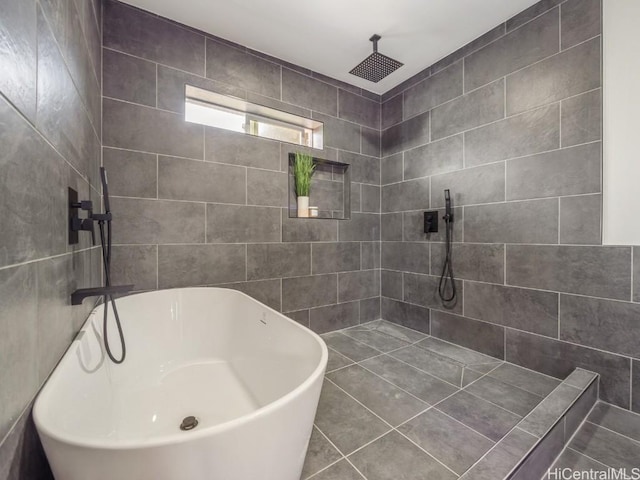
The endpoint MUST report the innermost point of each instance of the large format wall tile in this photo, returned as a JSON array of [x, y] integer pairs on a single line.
[[310, 93], [580, 21], [312, 291], [334, 317], [423, 290], [193, 265], [242, 224], [224, 146], [358, 109], [129, 78], [364, 169], [434, 158], [595, 271], [571, 72], [391, 112], [604, 324], [559, 359], [570, 171], [391, 169], [582, 118], [480, 336], [512, 222], [135, 264], [409, 195], [524, 46], [358, 285], [471, 261], [18, 27], [157, 221], [296, 230], [149, 130], [391, 284], [517, 136], [580, 219], [159, 41], [341, 134], [433, 91], [483, 184], [33, 223], [181, 179], [335, 257], [405, 135], [362, 227], [406, 256], [405, 314], [531, 310], [61, 115], [265, 291], [131, 174], [238, 67], [276, 260], [18, 352], [481, 106], [267, 188]]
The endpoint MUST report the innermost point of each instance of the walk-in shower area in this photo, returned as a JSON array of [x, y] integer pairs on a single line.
[[398, 403]]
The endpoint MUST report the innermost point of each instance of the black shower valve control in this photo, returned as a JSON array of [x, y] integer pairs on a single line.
[[431, 222]]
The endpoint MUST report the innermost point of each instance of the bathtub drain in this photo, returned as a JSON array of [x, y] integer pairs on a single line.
[[189, 423]]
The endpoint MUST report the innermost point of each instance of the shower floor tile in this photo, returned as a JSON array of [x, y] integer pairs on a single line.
[[397, 403], [609, 439]]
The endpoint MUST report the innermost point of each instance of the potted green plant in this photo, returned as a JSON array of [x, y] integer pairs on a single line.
[[303, 168]]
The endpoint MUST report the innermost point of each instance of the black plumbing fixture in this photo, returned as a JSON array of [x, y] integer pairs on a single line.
[[376, 66], [77, 224], [431, 222], [446, 277]]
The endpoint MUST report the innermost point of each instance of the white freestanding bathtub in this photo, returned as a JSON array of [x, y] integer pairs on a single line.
[[251, 377]]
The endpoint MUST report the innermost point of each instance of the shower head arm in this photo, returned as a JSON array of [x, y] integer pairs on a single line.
[[375, 39]]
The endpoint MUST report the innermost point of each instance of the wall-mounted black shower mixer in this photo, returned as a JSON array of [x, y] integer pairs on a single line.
[[431, 222], [77, 224]]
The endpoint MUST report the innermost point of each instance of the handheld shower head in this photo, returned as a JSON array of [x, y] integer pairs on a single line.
[[105, 189], [448, 213]]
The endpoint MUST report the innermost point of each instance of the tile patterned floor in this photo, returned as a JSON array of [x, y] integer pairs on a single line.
[[397, 403], [610, 438]]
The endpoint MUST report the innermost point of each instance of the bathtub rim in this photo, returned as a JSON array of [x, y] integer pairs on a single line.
[[179, 437]]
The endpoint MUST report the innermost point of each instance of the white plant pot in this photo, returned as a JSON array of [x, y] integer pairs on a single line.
[[303, 206]]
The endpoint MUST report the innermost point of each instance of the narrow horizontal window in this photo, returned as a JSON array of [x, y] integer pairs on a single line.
[[237, 115]]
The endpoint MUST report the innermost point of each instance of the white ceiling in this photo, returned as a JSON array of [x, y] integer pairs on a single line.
[[332, 36]]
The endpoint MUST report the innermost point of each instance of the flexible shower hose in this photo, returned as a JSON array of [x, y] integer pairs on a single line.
[[106, 261], [447, 270]]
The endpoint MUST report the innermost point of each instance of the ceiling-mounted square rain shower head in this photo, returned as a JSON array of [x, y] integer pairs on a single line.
[[376, 66]]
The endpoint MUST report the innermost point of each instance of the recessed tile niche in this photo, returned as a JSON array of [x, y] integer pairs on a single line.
[[330, 190]]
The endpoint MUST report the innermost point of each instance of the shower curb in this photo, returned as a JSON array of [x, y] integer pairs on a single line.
[[531, 447]]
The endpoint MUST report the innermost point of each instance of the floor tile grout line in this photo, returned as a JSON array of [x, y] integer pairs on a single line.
[[426, 452], [326, 467], [396, 386], [499, 406], [636, 442], [359, 403], [578, 452], [464, 425]]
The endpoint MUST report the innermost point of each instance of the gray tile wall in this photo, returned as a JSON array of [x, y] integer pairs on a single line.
[[511, 124], [195, 205], [50, 138]]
